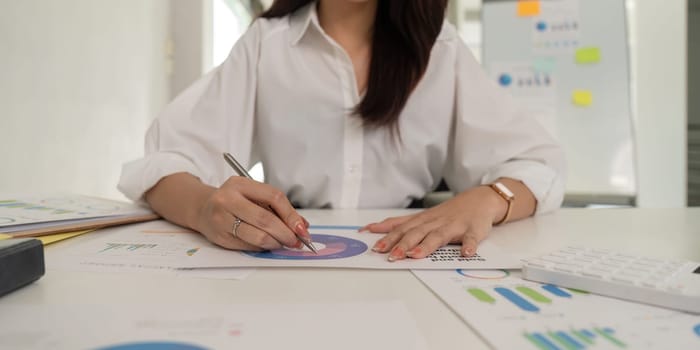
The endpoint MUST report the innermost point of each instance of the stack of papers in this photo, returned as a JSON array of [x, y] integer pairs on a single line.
[[31, 216]]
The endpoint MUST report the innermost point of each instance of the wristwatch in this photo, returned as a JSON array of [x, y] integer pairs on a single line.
[[508, 195]]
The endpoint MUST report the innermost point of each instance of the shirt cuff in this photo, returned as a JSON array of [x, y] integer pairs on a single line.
[[545, 184], [141, 175]]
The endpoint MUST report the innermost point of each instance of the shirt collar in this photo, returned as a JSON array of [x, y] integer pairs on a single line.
[[301, 20], [307, 17]]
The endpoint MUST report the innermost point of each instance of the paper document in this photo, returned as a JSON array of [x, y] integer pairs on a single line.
[[351, 326], [161, 245], [344, 247], [152, 247], [23, 216], [512, 313]]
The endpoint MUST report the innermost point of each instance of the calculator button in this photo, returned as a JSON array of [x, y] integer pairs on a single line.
[[554, 259], [582, 260], [623, 280], [564, 268], [538, 263]]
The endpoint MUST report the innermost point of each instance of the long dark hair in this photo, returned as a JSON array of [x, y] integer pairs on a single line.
[[404, 34]]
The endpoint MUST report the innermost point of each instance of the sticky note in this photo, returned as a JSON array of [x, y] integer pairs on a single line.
[[4, 236], [588, 55], [544, 65], [583, 98], [528, 8], [49, 239]]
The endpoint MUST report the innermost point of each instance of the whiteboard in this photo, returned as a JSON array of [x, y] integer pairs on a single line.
[[567, 62]]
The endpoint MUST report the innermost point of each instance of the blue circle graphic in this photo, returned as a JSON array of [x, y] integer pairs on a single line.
[[505, 80], [154, 346], [697, 329], [336, 247], [541, 26]]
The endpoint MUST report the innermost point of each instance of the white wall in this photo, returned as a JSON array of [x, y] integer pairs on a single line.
[[80, 81], [661, 101]]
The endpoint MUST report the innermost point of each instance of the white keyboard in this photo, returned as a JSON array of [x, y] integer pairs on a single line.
[[673, 284]]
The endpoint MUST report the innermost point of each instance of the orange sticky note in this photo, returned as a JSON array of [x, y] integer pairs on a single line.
[[528, 8], [582, 98]]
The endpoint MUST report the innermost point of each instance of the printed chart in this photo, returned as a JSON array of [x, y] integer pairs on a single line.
[[152, 247], [328, 246], [512, 313], [16, 211], [344, 247]]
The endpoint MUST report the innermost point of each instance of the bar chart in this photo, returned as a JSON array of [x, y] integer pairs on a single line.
[[574, 339], [513, 313], [523, 297]]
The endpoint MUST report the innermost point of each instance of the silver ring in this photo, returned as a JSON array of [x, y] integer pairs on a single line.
[[236, 224]]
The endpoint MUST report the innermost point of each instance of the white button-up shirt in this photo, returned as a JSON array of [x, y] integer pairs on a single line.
[[284, 97]]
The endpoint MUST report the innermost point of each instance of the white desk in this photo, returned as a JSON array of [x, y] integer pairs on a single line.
[[656, 232]]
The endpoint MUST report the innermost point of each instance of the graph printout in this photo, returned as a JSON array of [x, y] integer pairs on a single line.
[[24, 210], [344, 247], [512, 313], [339, 326], [159, 245]]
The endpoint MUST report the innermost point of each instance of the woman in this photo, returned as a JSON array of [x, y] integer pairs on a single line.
[[348, 104]]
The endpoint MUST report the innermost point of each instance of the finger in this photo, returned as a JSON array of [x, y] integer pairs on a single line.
[[256, 237], [405, 247], [472, 238], [278, 201], [389, 241], [265, 220], [385, 225], [226, 240], [432, 242]]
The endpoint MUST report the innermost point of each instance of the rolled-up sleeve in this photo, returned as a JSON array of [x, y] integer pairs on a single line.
[[492, 138], [214, 115]]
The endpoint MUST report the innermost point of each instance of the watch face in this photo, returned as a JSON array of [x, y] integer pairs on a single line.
[[501, 187]]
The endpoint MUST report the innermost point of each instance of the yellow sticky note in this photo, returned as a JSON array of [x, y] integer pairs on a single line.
[[583, 98], [588, 55], [528, 8], [48, 239], [2, 236]]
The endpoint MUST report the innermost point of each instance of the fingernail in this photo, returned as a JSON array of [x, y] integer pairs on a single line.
[[396, 254], [298, 245], [378, 246], [363, 229], [467, 252], [306, 222], [414, 251], [300, 229]]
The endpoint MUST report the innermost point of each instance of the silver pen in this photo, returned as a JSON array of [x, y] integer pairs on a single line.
[[240, 170]]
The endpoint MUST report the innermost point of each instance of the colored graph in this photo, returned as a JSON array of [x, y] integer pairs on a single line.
[[127, 246], [524, 298], [574, 339], [484, 274], [331, 247], [192, 251], [15, 204]]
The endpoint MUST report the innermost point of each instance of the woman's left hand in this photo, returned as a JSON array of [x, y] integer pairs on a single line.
[[466, 218]]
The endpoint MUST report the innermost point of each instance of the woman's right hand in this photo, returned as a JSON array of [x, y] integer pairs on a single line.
[[268, 220]]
